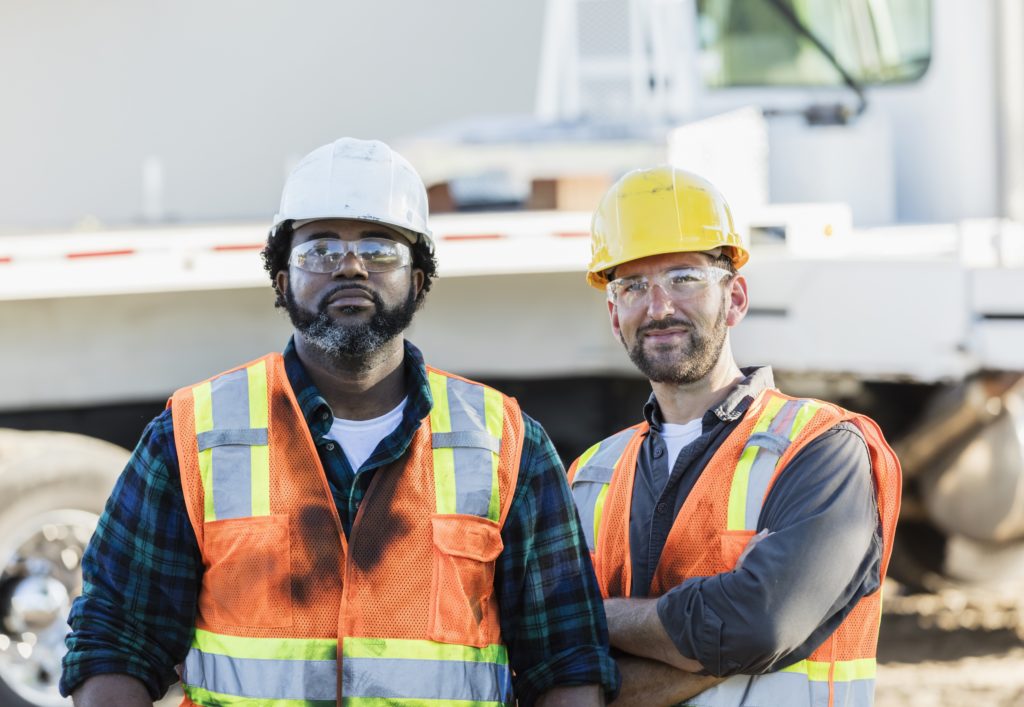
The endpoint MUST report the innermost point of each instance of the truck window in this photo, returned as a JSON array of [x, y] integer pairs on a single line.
[[769, 42]]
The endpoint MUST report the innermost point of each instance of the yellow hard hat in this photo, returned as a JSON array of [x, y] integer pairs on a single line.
[[655, 211]]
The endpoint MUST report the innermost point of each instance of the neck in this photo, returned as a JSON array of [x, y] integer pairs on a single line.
[[357, 388], [682, 402]]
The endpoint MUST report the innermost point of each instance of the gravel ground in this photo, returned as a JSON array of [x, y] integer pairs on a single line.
[[955, 647]]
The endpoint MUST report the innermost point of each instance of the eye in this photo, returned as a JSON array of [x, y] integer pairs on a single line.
[[377, 252], [634, 287]]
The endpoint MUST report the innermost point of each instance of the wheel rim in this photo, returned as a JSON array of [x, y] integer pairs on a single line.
[[40, 575]]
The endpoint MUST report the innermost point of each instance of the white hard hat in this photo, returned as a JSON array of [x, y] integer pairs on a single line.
[[357, 179]]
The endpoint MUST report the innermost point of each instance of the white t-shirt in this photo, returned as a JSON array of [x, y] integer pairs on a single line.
[[358, 438], [678, 436]]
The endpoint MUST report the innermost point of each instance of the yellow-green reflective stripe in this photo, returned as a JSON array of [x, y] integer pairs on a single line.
[[494, 412], [444, 457], [599, 511], [807, 411], [764, 421], [216, 699], [737, 511], [202, 406], [736, 519], [259, 417], [846, 670], [266, 648], [406, 702], [422, 650], [585, 457]]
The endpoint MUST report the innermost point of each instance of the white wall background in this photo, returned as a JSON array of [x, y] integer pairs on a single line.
[[225, 94]]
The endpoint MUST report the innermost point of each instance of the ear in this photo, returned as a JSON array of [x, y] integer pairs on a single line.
[[613, 317], [281, 282], [418, 278], [738, 301]]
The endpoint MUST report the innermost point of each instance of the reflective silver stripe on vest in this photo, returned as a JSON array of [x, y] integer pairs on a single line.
[[784, 690], [261, 678], [771, 445], [218, 438], [473, 465], [479, 440], [232, 467], [593, 476], [426, 679]]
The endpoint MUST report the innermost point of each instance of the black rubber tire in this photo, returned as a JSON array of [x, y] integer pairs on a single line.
[[41, 472]]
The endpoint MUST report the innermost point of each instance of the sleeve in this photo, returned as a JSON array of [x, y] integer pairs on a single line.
[[141, 574], [552, 616], [821, 553]]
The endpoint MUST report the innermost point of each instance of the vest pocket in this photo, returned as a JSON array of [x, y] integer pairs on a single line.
[[465, 549], [247, 581]]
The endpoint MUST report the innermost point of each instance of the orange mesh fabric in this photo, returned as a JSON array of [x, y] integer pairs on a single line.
[[612, 563], [417, 574], [274, 576], [406, 572], [699, 544]]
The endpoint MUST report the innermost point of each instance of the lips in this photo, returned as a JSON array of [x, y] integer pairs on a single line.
[[349, 297], [664, 335]]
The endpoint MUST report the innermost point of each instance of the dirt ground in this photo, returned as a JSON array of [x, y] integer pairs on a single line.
[[955, 647]]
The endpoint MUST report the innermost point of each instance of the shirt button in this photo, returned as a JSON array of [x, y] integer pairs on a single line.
[[661, 508], [330, 446], [324, 415], [659, 452]]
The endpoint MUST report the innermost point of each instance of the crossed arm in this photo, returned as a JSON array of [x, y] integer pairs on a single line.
[[653, 671]]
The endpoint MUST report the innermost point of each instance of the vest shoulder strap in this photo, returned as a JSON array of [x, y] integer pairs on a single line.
[[223, 423], [477, 442]]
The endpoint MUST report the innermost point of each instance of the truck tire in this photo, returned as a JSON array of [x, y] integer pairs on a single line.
[[53, 486]]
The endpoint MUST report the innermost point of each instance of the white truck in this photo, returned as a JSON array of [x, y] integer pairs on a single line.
[[873, 149]]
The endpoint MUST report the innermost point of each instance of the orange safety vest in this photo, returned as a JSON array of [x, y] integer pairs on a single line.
[[290, 611], [716, 522]]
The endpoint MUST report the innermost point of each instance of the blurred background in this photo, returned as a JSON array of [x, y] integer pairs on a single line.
[[872, 150]]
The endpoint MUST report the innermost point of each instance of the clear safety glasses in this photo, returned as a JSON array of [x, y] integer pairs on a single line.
[[680, 284], [325, 255]]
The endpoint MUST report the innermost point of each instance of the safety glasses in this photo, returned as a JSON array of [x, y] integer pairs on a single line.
[[680, 284], [326, 255]]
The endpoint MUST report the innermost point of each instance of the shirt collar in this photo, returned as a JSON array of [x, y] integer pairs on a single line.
[[318, 413], [755, 380]]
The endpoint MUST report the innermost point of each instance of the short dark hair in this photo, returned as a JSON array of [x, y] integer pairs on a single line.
[[724, 260], [279, 247]]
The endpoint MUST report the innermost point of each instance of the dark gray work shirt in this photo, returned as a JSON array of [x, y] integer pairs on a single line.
[[797, 585]]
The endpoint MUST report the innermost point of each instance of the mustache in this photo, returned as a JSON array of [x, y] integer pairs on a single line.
[[349, 287], [664, 324]]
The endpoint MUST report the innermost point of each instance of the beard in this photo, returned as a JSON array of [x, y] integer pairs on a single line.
[[694, 362], [350, 342]]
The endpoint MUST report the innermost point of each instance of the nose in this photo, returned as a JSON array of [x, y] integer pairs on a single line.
[[661, 305], [351, 267]]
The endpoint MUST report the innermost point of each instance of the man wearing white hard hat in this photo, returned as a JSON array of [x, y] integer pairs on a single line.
[[340, 523]]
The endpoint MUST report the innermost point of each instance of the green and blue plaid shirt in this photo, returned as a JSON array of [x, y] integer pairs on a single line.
[[142, 570]]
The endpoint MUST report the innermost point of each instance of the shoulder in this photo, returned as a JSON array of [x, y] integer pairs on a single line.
[[539, 455], [832, 470], [158, 438]]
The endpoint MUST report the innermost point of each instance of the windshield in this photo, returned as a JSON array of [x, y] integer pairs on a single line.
[[754, 43]]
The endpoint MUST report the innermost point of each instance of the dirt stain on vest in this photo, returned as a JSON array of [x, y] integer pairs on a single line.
[[321, 568], [380, 522]]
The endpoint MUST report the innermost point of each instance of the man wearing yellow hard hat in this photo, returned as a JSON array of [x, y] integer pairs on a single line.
[[740, 536]]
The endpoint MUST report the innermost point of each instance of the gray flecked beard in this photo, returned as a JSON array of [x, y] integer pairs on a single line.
[[351, 343]]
